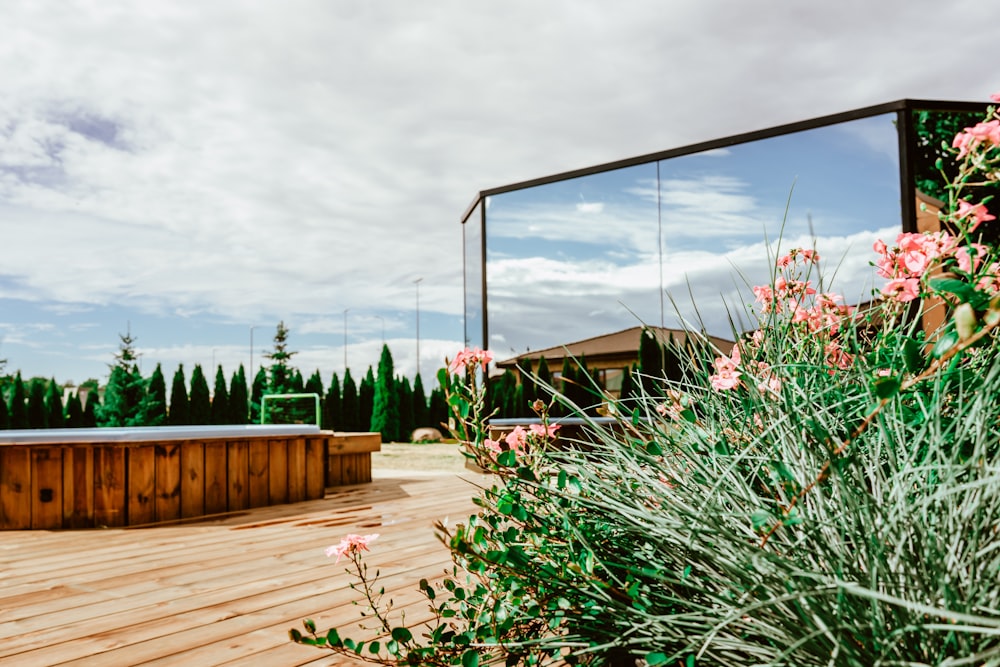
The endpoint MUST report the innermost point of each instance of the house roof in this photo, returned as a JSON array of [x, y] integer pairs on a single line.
[[620, 343]]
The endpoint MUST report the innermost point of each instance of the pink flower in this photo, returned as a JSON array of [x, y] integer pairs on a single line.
[[468, 358], [351, 544], [517, 439], [966, 261], [902, 289], [990, 282], [978, 212], [995, 97], [726, 376]]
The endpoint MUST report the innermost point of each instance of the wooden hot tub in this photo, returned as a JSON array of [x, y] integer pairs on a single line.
[[87, 478]]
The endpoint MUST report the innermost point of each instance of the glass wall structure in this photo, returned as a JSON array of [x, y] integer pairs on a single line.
[[676, 239]]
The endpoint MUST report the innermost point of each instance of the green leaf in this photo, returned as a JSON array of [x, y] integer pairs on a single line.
[[760, 519], [656, 658], [295, 635], [653, 449], [310, 625], [946, 342], [374, 648], [961, 289], [886, 387], [402, 634], [689, 662], [913, 356], [470, 658], [333, 637]]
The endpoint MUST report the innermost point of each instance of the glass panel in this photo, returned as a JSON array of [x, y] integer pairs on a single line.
[[571, 260], [728, 213], [593, 255], [472, 238]]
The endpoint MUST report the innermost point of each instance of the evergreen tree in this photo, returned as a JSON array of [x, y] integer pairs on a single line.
[[350, 405], [438, 409], [154, 406], [281, 371], [180, 408], [544, 376], [37, 415], [333, 417], [199, 400], [404, 403], [297, 385], [238, 404], [54, 406], [74, 410], [366, 400], [220, 399], [89, 419], [529, 391], [18, 404], [126, 389], [651, 363], [314, 385], [4, 415], [421, 414], [256, 394], [385, 410]]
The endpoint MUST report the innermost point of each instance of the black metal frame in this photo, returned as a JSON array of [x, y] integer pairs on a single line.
[[906, 133]]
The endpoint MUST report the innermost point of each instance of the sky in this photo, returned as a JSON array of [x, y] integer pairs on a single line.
[[193, 173]]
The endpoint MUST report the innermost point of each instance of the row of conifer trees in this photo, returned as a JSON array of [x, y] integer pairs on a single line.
[[379, 402]]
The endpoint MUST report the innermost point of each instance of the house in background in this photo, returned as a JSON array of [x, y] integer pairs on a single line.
[[607, 357]]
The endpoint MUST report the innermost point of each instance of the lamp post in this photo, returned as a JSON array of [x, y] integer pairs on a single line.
[[345, 339], [417, 283], [255, 326]]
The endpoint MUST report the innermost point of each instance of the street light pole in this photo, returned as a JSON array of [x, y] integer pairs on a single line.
[[345, 339], [417, 283], [255, 326]]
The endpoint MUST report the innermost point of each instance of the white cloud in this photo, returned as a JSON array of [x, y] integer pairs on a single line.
[[245, 161]]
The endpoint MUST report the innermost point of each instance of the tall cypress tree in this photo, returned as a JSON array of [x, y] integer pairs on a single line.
[[4, 415], [239, 410], [220, 399], [350, 405], [385, 410], [198, 399], [74, 410], [366, 400], [404, 402], [298, 386], [90, 409], [18, 404], [54, 406], [333, 417], [37, 415], [154, 406], [180, 408], [438, 409], [421, 415], [256, 394]]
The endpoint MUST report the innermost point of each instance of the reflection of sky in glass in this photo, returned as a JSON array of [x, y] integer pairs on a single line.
[[580, 258]]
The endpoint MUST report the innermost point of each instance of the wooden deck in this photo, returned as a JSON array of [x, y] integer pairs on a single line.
[[221, 591]]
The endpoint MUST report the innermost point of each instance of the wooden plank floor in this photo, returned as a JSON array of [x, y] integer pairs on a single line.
[[223, 591]]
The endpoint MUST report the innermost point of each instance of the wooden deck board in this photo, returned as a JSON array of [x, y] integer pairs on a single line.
[[218, 591]]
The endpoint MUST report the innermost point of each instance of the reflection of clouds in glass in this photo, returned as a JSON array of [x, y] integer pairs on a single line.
[[540, 302], [590, 207]]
